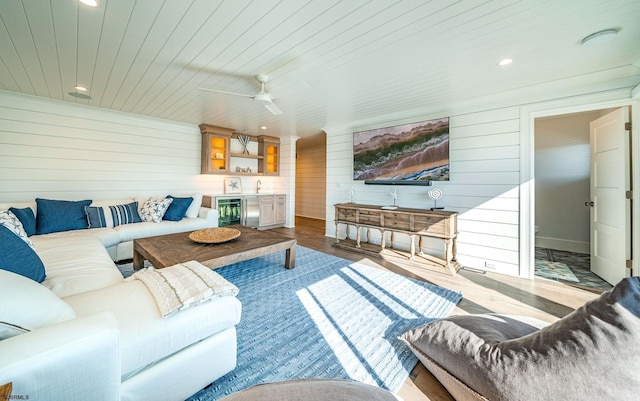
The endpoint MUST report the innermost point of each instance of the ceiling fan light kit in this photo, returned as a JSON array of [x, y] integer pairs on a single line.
[[262, 97]]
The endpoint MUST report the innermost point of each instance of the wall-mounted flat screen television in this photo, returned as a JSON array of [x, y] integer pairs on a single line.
[[415, 153]]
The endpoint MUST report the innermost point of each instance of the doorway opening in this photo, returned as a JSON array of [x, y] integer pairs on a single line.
[[311, 177], [563, 227]]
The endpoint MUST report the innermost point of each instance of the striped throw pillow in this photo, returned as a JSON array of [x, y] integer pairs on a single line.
[[125, 214], [98, 217]]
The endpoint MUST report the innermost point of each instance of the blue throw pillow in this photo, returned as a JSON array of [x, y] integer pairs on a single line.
[[27, 219], [18, 257], [177, 208], [60, 215]]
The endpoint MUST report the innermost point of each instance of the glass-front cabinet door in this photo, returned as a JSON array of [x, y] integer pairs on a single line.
[[270, 151], [215, 149]]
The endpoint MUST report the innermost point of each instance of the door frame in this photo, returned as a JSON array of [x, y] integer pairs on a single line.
[[528, 114]]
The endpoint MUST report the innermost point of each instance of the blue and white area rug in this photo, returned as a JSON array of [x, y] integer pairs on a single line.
[[328, 318]]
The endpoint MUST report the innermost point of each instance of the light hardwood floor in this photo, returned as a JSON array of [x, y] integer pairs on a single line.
[[482, 293]]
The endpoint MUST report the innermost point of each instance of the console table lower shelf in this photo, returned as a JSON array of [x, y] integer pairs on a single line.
[[419, 259], [415, 223]]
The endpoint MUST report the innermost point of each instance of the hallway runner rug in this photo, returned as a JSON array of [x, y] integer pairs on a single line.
[[554, 271], [328, 318]]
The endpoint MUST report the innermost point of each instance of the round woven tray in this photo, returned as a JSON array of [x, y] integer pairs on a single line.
[[214, 235]]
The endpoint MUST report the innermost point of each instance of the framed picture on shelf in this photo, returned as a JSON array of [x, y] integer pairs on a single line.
[[232, 185]]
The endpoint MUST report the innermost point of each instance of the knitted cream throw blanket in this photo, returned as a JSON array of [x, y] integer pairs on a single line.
[[180, 286]]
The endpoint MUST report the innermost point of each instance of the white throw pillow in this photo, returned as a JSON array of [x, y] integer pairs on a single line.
[[14, 225], [153, 209], [194, 208], [26, 305]]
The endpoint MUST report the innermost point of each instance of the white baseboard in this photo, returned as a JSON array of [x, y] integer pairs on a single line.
[[563, 245]]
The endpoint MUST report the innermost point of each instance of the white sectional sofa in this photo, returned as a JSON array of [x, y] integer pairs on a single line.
[[86, 333], [118, 240]]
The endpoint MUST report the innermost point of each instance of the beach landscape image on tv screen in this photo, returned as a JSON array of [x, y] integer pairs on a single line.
[[410, 152]]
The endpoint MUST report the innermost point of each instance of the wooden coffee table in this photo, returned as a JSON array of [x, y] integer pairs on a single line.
[[170, 249]]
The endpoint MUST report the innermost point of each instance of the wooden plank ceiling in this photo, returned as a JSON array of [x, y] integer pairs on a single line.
[[331, 63]]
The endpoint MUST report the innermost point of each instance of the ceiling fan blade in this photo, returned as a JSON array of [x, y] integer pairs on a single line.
[[275, 110], [225, 92]]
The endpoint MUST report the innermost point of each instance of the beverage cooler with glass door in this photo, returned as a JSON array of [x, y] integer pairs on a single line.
[[242, 210], [229, 211]]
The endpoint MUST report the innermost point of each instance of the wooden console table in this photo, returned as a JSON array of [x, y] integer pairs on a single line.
[[416, 223]]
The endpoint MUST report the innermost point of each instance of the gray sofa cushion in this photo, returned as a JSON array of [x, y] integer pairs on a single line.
[[592, 353]]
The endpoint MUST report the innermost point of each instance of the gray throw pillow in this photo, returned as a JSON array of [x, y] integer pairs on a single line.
[[591, 354]]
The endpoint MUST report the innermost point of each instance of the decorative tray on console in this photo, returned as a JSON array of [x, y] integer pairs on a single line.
[[214, 235]]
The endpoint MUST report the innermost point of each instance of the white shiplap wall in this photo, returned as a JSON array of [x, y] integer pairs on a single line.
[[484, 186], [285, 183], [52, 149]]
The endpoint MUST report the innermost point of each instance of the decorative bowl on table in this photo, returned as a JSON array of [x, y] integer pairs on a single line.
[[214, 235]]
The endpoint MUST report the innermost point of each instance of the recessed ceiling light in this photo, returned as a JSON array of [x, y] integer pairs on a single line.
[[504, 62], [263, 127], [600, 37], [90, 3], [80, 88]]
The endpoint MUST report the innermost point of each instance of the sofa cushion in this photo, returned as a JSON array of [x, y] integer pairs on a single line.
[[153, 209], [13, 224], [26, 305], [111, 202], [595, 348], [27, 218], [130, 232], [18, 257], [177, 209], [107, 235], [60, 215], [78, 265], [144, 336]]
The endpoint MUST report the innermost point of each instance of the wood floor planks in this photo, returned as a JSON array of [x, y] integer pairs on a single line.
[[483, 293]]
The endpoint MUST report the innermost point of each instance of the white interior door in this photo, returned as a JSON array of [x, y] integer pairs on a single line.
[[610, 210]]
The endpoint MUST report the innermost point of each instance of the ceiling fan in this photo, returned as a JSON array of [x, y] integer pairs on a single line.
[[261, 96]]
